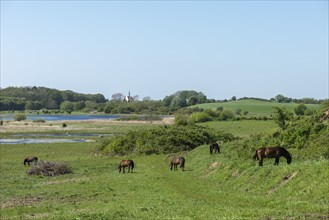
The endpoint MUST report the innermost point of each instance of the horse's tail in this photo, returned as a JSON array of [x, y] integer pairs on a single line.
[[132, 165], [255, 157], [25, 162]]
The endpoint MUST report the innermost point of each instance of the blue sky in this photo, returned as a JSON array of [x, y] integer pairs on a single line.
[[155, 48]]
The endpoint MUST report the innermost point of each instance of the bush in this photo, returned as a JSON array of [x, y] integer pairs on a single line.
[[227, 115], [49, 168], [181, 119], [169, 139], [300, 109], [306, 137], [19, 117], [199, 117]]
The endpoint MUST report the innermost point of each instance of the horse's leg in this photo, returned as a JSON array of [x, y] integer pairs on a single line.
[[276, 161], [123, 168], [210, 149], [261, 162]]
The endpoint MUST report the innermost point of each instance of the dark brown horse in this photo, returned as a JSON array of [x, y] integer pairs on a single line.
[[214, 147], [126, 163], [28, 160], [176, 161], [272, 152]]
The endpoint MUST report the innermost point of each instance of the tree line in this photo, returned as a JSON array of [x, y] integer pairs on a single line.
[[41, 98], [45, 99], [37, 98]]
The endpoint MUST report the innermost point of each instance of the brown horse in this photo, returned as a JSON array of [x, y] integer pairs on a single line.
[[176, 161], [272, 152], [126, 163], [28, 160], [214, 147]]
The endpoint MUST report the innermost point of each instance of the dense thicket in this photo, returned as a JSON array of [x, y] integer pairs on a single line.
[[36, 98], [168, 139]]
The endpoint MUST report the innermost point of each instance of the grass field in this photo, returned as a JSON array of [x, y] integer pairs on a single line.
[[242, 128], [254, 107], [212, 187]]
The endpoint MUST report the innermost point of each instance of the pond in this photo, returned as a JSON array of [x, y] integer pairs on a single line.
[[41, 141], [60, 117]]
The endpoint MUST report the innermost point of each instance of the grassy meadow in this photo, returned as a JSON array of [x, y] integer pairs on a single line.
[[254, 107], [221, 186], [212, 187]]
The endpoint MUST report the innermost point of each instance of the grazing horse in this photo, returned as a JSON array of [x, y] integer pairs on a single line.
[[126, 163], [176, 161], [214, 147], [272, 152], [28, 160]]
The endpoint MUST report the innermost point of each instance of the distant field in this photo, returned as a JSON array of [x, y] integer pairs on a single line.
[[254, 107], [242, 128]]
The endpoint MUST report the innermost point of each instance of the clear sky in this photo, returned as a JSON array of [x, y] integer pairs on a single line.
[[155, 48]]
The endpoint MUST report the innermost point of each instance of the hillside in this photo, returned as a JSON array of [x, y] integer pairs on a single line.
[[254, 107]]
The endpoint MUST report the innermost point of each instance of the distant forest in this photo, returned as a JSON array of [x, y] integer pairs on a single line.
[[47, 99], [37, 98]]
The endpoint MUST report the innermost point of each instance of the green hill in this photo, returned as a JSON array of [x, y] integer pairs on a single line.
[[254, 107]]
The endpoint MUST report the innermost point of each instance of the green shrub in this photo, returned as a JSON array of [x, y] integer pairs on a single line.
[[167, 139], [199, 117], [227, 114], [305, 136], [181, 119], [19, 117]]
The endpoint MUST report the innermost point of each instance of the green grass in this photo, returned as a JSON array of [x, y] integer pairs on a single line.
[[254, 107], [213, 187], [242, 128]]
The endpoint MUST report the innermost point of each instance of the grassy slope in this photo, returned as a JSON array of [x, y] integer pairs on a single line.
[[213, 187], [254, 107]]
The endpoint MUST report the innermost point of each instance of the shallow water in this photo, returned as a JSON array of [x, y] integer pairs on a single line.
[[59, 117], [41, 141]]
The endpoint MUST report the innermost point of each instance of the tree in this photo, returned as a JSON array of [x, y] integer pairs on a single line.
[[238, 111], [117, 97], [147, 98], [67, 106], [192, 100], [300, 109], [281, 117], [233, 98]]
